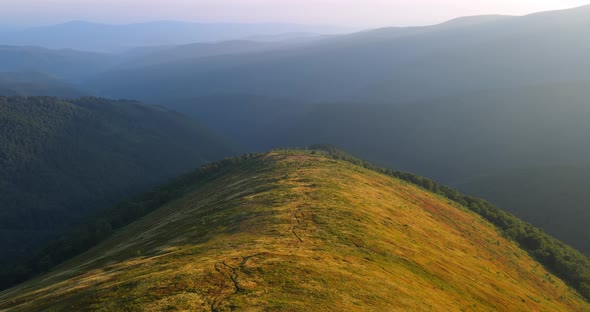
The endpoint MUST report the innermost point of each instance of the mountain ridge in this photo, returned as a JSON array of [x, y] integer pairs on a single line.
[[294, 221], [90, 36], [37, 84], [392, 65]]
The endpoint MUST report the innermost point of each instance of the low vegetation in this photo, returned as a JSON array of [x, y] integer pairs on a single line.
[[564, 261], [292, 230]]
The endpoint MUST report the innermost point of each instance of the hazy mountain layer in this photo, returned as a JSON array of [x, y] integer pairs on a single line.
[[36, 84], [116, 38], [458, 139], [389, 65], [452, 101], [554, 198], [73, 66]]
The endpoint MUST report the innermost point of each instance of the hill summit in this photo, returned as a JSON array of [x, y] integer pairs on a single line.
[[297, 231]]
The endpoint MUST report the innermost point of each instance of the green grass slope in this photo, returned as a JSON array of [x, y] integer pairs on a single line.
[[491, 144], [61, 160], [297, 231]]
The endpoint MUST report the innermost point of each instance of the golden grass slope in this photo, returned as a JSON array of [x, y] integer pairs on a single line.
[[294, 231]]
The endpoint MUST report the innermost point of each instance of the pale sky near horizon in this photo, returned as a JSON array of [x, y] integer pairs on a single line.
[[354, 13]]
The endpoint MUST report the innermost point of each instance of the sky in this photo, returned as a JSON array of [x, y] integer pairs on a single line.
[[349, 13]]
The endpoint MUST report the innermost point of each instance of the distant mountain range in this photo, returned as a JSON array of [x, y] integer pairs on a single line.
[[70, 65], [452, 101], [116, 38], [459, 101], [391, 65], [36, 84]]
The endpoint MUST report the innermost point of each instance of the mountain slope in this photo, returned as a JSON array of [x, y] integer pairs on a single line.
[[554, 198], [453, 101], [69, 65], [458, 139], [61, 160], [392, 64], [507, 128], [296, 231], [202, 50], [36, 84], [238, 116], [112, 38]]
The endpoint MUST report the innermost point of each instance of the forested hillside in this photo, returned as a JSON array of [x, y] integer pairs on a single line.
[[36, 84], [254, 123], [71, 65], [554, 198], [60, 161]]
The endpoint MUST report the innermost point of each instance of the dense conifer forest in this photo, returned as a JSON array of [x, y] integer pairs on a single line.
[[61, 161]]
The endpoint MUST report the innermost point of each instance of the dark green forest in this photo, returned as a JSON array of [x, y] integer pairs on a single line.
[[36, 84], [554, 198], [61, 161]]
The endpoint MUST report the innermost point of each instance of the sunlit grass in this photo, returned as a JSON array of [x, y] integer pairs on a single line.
[[294, 232]]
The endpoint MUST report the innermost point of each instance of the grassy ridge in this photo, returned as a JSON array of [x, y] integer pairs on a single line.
[[564, 261], [294, 231], [103, 225]]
